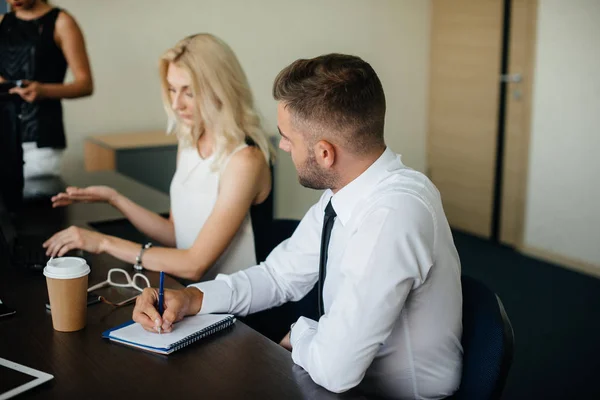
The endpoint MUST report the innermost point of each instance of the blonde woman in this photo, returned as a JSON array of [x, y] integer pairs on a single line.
[[222, 170]]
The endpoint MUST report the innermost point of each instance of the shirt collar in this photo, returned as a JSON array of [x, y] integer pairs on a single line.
[[346, 198]]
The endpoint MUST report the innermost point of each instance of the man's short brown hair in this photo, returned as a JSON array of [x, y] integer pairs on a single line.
[[338, 93]]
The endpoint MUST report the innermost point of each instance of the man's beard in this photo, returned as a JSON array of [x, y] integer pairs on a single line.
[[312, 176]]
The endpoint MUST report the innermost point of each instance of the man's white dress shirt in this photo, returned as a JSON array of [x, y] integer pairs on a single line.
[[392, 294]]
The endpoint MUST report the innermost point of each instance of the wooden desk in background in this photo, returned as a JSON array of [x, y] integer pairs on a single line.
[[148, 157]]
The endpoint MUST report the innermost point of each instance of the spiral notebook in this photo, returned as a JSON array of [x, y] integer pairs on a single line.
[[184, 333]]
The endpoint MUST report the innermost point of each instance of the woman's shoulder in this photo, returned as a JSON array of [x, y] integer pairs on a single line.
[[245, 164], [63, 16], [7, 19], [247, 172], [64, 20], [247, 157]]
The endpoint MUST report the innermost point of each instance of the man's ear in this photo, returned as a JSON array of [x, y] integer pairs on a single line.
[[324, 153]]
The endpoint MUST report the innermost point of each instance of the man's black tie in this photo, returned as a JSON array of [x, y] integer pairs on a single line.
[[325, 236]]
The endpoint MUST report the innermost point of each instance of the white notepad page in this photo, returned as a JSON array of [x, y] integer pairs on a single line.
[[134, 333]]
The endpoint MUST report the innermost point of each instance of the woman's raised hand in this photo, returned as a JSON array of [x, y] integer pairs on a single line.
[[90, 194]]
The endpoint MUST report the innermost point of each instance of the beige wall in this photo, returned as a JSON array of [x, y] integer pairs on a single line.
[[126, 37], [563, 214]]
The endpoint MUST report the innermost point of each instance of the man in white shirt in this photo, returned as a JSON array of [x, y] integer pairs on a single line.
[[377, 243]]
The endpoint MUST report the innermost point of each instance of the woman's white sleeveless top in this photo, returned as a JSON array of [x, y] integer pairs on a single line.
[[194, 191]]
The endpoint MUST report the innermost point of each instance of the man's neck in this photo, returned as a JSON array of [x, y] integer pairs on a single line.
[[36, 11], [351, 167]]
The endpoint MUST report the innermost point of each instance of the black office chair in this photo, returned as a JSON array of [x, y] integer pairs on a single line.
[[11, 157], [488, 343], [262, 223], [41, 189]]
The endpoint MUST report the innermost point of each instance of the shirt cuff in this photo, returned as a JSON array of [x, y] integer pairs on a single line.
[[217, 296], [303, 328]]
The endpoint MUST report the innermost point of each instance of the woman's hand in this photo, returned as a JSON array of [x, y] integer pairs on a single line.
[[90, 194], [30, 92], [74, 238]]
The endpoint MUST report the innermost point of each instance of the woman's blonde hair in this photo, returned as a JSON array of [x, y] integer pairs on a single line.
[[225, 105]]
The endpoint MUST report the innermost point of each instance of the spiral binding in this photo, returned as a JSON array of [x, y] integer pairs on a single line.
[[209, 330]]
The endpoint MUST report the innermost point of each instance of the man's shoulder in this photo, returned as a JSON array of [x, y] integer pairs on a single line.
[[405, 196], [405, 184]]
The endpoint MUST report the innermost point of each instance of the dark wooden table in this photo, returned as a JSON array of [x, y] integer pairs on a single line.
[[236, 364]]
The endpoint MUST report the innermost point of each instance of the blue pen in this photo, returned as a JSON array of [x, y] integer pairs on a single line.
[[161, 295]]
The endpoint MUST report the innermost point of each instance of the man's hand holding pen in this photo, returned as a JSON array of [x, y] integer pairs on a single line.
[[177, 305]]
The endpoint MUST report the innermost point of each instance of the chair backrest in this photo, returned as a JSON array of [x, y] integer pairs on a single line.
[[488, 342], [11, 157], [262, 221], [42, 188]]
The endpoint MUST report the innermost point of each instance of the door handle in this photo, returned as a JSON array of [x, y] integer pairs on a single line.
[[511, 78]]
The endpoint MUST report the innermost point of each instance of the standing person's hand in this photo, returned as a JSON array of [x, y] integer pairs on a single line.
[[2, 79], [178, 304], [90, 194], [30, 92]]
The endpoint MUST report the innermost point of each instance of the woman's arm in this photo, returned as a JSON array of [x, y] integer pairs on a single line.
[[156, 227], [69, 38], [151, 224], [159, 229], [245, 181]]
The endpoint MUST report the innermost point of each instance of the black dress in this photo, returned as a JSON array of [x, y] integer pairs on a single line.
[[28, 51]]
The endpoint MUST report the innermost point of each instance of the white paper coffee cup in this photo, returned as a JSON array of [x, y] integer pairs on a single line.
[[67, 282]]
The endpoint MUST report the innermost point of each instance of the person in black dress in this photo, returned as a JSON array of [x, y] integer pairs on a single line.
[[37, 44]]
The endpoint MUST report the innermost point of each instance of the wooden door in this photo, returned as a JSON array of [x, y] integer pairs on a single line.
[[518, 120], [466, 49], [464, 113]]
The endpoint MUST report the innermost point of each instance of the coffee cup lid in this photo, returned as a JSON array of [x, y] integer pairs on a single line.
[[66, 268]]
